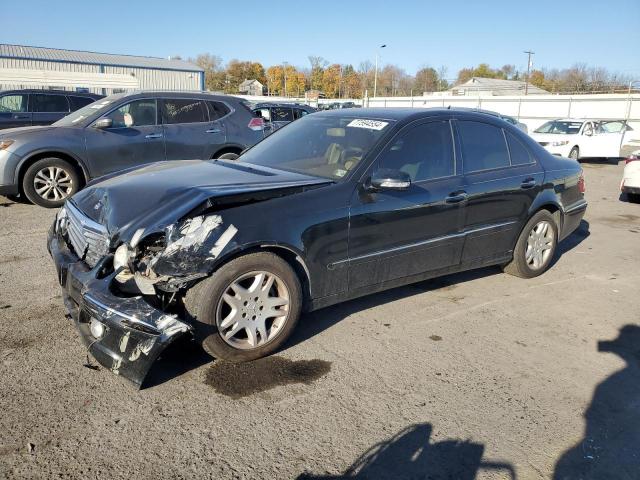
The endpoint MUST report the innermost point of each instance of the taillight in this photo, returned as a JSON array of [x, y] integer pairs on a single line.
[[581, 185], [632, 158], [256, 123]]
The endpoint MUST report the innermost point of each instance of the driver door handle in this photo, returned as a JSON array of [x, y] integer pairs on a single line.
[[213, 130], [528, 183], [153, 135], [456, 197]]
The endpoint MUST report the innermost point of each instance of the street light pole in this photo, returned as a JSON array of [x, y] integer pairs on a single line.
[[526, 83], [284, 72], [375, 77]]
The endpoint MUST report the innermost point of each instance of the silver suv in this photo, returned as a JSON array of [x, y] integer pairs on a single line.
[[47, 164]]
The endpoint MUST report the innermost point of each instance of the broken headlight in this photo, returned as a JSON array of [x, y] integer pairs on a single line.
[[121, 257]]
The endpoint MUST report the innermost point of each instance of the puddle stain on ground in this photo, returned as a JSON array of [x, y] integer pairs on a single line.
[[237, 380], [435, 338]]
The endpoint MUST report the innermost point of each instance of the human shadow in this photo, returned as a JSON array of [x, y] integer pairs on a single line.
[[611, 444], [410, 455]]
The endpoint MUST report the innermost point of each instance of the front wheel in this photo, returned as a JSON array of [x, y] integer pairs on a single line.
[[574, 154], [228, 156], [633, 197], [247, 309], [535, 247], [49, 182]]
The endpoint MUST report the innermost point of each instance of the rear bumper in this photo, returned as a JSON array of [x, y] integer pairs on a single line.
[[572, 217], [134, 332], [631, 189]]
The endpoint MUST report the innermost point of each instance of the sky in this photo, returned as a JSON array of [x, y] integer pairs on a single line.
[[455, 34]]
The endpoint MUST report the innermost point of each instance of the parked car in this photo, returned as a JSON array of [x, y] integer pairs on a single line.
[[630, 184], [22, 108], [337, 205], [49, 164], [349, 105], [583, 138], [277, 115]]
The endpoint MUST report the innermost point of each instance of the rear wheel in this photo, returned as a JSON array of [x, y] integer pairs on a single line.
[[247, 309], [50, 181], [574, 153], [535, 247]]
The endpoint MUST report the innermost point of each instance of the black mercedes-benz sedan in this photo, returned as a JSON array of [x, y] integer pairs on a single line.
[[336, 205]]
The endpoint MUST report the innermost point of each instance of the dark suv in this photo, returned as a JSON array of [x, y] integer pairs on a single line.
[[277, 115], [49, 164], [21, 108]]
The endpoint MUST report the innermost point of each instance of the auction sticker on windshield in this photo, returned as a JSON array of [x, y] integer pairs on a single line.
[[370, 124]]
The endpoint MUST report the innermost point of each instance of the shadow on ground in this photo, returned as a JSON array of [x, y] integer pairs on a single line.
[[410, 454], [611, 445]]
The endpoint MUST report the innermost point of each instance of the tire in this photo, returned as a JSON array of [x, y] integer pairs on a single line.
[[574, 154], [208, 309], [228, 156], [50, 169], [525, 267], [633, 197]]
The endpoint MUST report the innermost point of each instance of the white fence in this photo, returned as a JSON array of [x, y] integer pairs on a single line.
[[533, 110]]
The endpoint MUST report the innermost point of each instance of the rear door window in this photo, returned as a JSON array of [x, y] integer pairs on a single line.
[[282, 114], [483, 146], [183, 110], [46, 103], [217, 110], [13, 103], [77, 103]]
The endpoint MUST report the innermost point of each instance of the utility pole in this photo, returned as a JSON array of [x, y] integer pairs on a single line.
[[284, 71], [526, 82], [375, 77]]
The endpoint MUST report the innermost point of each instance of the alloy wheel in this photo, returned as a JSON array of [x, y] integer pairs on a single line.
[[253, 310], [539, 245], [53, 183]]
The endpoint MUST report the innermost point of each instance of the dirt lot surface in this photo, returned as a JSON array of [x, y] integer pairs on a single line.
[[475, 375]]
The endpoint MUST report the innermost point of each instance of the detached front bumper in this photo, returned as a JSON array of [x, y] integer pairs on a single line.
[[128, 333]]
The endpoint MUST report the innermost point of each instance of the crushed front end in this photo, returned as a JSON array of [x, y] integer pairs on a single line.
[[124, 332]]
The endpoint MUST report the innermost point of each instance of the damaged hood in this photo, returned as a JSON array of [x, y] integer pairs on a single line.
[[156, 195]]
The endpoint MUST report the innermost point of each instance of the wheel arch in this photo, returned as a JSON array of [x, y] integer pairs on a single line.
[[33, 157], [229, 148], [289, 254], [552, 206]]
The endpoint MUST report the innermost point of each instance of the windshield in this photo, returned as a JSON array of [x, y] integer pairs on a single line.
[[79, 115], [324, 146], [557, 126]]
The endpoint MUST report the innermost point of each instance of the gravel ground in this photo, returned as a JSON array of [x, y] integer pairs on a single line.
[[474, 375]]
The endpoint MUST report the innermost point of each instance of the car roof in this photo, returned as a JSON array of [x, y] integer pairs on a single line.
[[180, 94], [281, 104], [59, 92]]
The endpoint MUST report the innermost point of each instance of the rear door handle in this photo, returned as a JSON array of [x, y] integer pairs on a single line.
[[20, 117], [456, 197], [213, 130], [153, 135], [528, 183]]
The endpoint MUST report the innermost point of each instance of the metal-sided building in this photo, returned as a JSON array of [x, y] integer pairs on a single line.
[[103, 73]]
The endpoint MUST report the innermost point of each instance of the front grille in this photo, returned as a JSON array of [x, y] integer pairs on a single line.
[[88, 239], [544, 144]]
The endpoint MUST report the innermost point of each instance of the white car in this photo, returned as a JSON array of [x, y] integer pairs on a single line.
[[576, 139], [631, 177]]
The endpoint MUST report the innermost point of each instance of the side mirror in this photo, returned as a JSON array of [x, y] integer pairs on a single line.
[[103, 123], [389, 179]]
